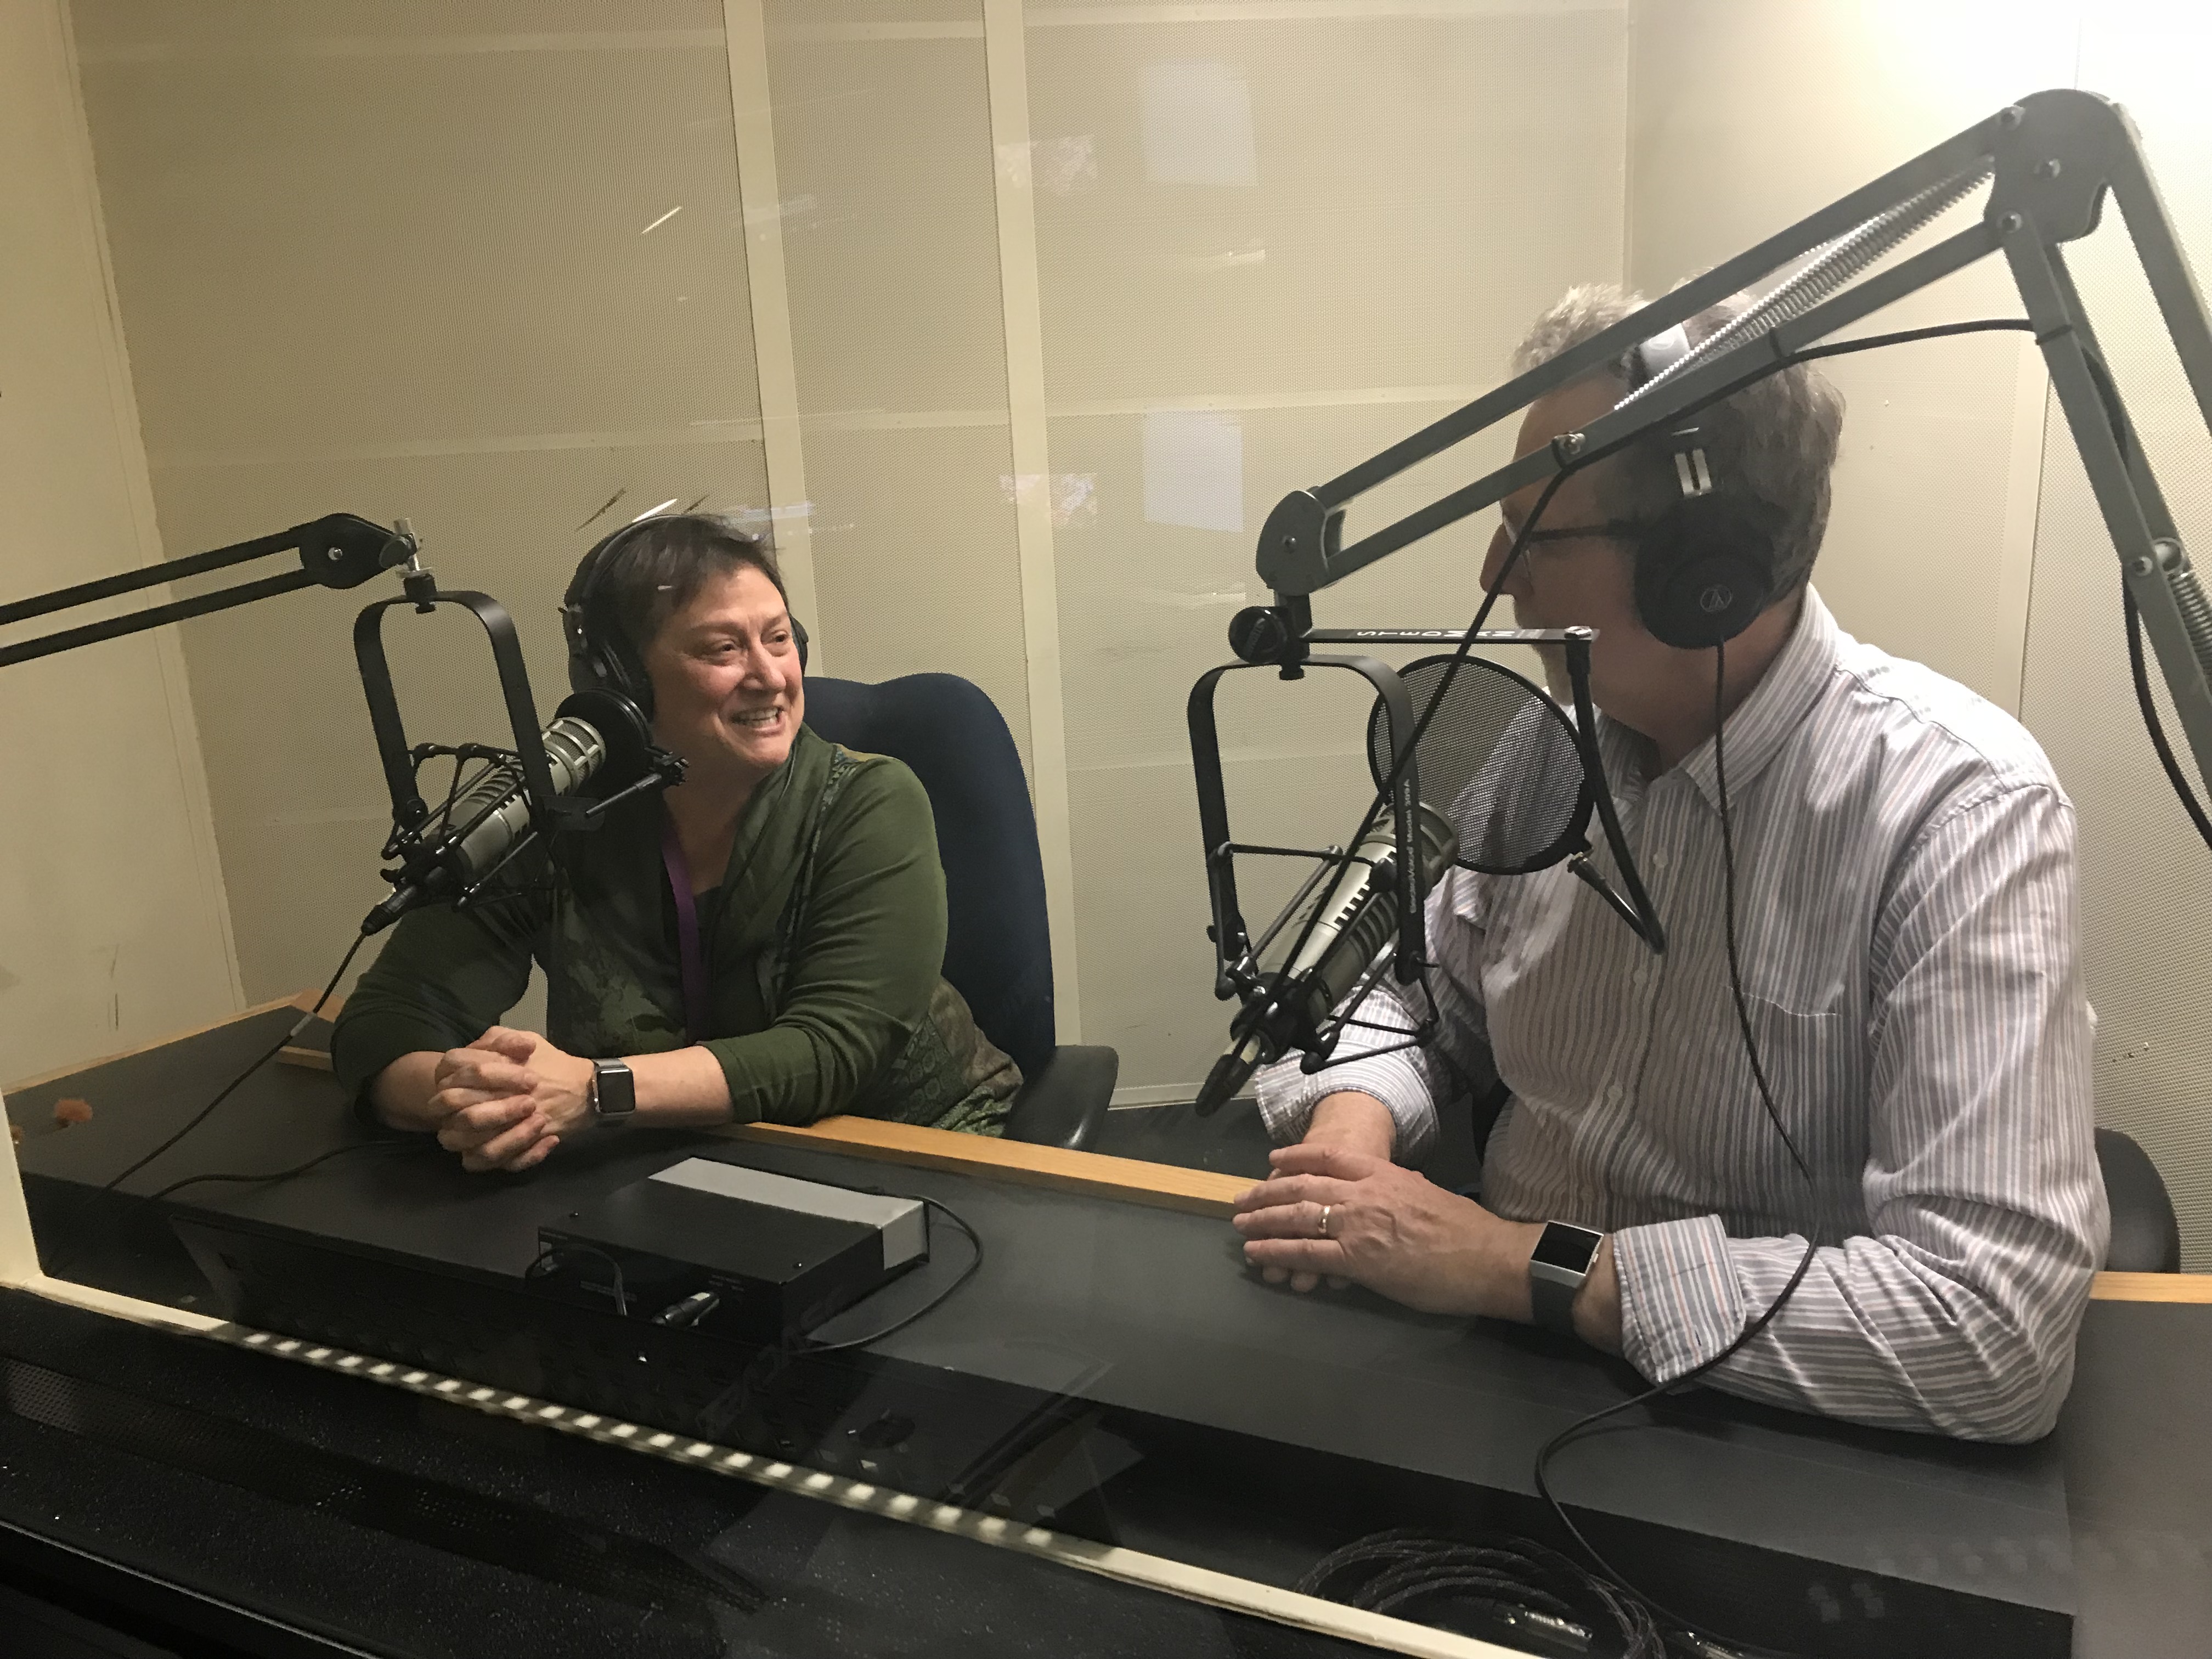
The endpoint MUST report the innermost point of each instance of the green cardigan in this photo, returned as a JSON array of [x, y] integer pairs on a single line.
[[825, 946]]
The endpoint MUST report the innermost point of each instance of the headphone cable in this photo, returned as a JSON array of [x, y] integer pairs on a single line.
[[1576, 1430]]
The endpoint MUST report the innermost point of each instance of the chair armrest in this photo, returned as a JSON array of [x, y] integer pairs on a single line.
[[1065, 1103]]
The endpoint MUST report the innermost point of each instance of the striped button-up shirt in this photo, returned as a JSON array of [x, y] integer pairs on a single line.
[[1905, 918]]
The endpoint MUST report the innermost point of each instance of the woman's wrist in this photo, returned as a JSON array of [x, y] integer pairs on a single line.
[[400, 1094], [681, 1087]]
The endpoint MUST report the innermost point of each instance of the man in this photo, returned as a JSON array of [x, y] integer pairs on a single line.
[[1906, 919]]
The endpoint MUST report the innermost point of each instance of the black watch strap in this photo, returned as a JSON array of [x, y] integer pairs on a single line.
[[1557, 1267], [614, 1092]]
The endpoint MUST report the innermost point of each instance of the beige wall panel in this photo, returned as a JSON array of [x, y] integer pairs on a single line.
[[1145, 610], [1746, 115], [1269, 205], [2146, 879], [373, 28], [320, 250], [112, 925], [1268, 248], [889, 222], [300, 799], [913, 555], [481, 266], [889, 233]]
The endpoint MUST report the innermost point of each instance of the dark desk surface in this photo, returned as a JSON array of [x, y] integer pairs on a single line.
[[1150, 1310]]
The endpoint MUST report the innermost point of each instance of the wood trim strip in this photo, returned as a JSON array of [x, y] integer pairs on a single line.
[[1095, 1175], [1164, 1186], [2151, 1287]]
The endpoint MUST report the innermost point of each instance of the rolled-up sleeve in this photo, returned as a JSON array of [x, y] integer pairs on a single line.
[[1957, 1312], [1410, 1082]]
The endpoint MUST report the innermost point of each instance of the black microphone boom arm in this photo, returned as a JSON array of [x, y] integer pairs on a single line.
[[2051, 159], [339, 550]]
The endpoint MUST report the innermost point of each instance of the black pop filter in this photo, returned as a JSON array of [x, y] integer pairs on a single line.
[[1499, 759]]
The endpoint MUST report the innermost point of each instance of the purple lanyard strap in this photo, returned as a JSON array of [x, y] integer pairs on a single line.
[[693, 964]]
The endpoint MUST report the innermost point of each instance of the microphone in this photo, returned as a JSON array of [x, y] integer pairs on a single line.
[[491, 819], [1356, 922]]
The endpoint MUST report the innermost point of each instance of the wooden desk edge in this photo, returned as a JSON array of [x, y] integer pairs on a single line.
[[2151, 1287], [1095, 1175], [1198, 1192]]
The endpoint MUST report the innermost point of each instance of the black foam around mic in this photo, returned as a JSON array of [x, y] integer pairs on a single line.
[[1498, 758]]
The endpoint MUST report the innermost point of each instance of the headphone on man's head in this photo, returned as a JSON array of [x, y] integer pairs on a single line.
[[1705, 563], [601, 656]]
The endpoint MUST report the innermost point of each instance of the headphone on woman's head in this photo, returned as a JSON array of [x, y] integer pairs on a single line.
[[1705, 563], [601, 655]]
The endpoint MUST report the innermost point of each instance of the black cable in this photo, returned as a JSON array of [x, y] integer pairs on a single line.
[[930, 1306], [297, 1168], [549, 1257], [259, 1060], [1728, 888], [1527, 1586], [1343, 861], [1576, 1430], [2174, 774]]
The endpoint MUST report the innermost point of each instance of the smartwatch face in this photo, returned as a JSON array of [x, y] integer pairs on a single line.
[[615, 1092], [1564, 1247]]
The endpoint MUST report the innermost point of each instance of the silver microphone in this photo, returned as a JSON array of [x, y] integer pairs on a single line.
[[1357, 922], [487, 819]]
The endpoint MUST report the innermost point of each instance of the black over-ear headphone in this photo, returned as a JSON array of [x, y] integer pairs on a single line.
[[601, 656], [1704, 564]]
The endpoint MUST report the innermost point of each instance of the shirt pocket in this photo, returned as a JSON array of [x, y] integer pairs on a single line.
[[1814, 1062]]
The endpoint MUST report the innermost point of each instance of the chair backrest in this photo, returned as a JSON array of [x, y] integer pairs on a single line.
[[2145, 1234], [998, 945]]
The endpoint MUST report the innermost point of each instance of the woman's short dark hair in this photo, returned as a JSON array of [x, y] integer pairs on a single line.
[[661, 565]]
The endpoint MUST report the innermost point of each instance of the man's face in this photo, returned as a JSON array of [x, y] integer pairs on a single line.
[[727, 694], [1580, 581]]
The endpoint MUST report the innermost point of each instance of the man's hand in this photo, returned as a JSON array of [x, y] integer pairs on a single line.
[[504, 1101], [1395, 1231]]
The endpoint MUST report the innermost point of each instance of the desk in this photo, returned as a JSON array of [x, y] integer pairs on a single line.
[[1144, 1313]]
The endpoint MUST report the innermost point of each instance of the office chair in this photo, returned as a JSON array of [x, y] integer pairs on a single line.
[[998, 945], [2145, 1236]]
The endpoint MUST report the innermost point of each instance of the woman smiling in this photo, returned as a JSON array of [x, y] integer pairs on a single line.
[[762, 942]]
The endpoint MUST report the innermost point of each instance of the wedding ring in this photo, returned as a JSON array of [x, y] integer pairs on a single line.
[[1324, 1221]]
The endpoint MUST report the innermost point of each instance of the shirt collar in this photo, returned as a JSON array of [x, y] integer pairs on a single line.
[[1763, 721]]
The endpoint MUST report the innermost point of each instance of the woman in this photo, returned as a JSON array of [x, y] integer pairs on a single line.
[[805, 878]]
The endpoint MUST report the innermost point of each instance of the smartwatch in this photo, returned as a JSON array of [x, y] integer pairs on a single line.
[[1557, 1268], [614, 1092]]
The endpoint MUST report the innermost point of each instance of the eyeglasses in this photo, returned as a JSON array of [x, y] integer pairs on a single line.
[[1614, 528]]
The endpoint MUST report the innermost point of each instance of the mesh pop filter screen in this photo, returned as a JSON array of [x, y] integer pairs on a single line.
[[1498, 759]]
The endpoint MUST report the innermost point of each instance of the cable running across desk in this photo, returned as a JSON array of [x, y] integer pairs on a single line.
[[259, 1060]]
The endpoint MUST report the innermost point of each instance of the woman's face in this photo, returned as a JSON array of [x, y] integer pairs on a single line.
[[726, 683]]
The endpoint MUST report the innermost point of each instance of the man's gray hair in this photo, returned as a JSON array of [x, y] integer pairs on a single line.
[[1776, 439]]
